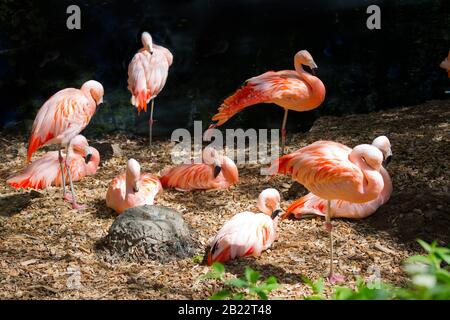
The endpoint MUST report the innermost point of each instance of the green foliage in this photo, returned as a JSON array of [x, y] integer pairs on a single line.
[[249, 287], [429, 279]]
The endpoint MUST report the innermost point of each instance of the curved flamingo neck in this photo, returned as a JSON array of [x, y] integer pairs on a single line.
[[373, 182], [316, 86], [229, 170]]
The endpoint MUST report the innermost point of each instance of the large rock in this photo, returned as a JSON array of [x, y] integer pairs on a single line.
[[150, 232]]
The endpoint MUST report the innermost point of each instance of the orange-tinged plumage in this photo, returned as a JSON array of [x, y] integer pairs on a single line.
[[132, 189], [446, 64], [147, 72], [339, 208], [247, 233], [202, 176], [46, 171]]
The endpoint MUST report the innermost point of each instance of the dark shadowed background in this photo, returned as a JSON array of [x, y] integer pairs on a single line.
[[217, 44]]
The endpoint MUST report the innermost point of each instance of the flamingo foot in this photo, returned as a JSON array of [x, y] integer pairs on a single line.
[[68, 197], [79, 207], [328, 227], [151, 122], [336, 279]]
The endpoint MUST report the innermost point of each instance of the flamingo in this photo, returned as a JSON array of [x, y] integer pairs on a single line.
[[83, 160], [61, 119], [216, 172], [446, 64], [132, 189], [295, 90], [247, 233], [333, 171], [147, 75]]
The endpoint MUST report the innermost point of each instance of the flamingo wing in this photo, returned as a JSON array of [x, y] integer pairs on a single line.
[[189, 177], [64, 115], [115, 196]]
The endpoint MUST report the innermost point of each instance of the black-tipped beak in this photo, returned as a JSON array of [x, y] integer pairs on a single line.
[[276, 213], [217, 171], [88, 158], [135, 189], [387, 161], [314, 71]]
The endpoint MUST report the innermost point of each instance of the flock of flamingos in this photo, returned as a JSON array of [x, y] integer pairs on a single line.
[[344, 182]]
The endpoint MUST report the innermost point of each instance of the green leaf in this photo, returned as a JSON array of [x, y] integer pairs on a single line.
[[271, 280], [238, 283], [262, 295], [251, 275], [239, 296], [221, 295], [425, 245], [218, 268], [318, 286]]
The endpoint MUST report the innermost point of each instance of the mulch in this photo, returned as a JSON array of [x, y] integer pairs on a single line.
[[42, 240]]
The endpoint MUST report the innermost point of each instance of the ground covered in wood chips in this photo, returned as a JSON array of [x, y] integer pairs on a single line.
[[45, 245]]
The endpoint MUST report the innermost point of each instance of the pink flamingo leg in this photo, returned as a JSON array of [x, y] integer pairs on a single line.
[[283, 131], [332, 277], [150, 122], [63, 175], [72, 198]]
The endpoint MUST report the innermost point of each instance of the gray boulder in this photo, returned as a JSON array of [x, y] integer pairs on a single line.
[[150, 232]]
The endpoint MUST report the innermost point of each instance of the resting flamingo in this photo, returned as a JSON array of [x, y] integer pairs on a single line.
[[216, 172], [295, 90], [446, 64], [44, 172], [247, 233], [333, 171], [147, 75], [344, 209], [61, 119], [132, 189]]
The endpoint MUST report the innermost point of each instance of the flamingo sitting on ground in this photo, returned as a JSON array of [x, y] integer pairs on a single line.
[[147, 75], [247, 233], [333, 171], [132, 189], [446, 64], [295, 90], [344, 209], [216, 172], [61, 119], [83, 161]]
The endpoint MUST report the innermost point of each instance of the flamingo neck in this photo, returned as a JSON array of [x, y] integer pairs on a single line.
[[229, 170], [316, 86], [373, 181]]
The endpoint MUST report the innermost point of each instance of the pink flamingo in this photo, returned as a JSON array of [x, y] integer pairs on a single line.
[[216, 172], [132, 189], [83, 160], [446, 64], [295, 90], [147, 75], [344, 209], [333, 171], [61, 119], [247, 233]]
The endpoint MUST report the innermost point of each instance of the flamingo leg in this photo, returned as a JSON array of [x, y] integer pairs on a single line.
[[63, 175], [332, 277], [73, 198], [151, 121], [283, 131]]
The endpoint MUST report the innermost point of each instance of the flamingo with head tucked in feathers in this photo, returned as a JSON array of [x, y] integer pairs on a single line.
[[247, 233], [335, 172], [147, 75], [61, 119], [82, 160], [295, 90]]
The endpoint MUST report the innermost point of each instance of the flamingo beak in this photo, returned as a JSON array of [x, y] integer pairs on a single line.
[[88, 156], [314, 68], [217, 171], [388, 158], [276, 213]]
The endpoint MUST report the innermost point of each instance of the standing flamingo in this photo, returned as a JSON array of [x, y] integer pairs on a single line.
[[295, 90], [216, 172], [147, 75], [132, 189], [446, 64], [62, 118], [83, 160], [333, 171], [247, 233], [344, 209]]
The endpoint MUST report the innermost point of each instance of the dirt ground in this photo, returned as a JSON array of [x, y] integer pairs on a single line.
[[44, 244]]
